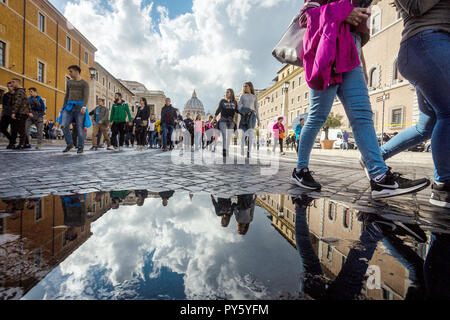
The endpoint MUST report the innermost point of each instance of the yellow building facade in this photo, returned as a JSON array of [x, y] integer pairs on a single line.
[[38, 44]]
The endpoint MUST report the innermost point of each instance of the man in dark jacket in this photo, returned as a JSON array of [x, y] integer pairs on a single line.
[[21, 111], [189, 123], [38, 110], [168, 121], [7, 121]]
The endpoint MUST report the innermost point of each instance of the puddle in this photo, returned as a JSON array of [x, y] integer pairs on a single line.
[[165, 245]]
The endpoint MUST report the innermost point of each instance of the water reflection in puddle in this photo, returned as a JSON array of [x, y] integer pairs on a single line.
[[167, 245]]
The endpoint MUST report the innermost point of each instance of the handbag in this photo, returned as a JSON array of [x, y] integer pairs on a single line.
[[290, 48]]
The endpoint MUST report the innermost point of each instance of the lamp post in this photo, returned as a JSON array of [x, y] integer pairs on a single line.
[[384, 97], [286, 102]]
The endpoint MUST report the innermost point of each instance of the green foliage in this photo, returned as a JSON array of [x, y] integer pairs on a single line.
[[333, 121]]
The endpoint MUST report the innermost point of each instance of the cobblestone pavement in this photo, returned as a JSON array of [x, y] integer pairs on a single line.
[[38, 173]]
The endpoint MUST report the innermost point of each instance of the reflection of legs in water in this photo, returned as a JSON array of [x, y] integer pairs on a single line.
[[312, 282], [437, 267], [411, 261], [348, 284]]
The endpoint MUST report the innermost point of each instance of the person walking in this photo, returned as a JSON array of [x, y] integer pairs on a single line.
[[168, 122], [118, 120], [424, 60], [152, 132], [21, 111], [298, 132], [228, 107], [189, 135], [75, 109], [279, 134], [248, 109], [101, 124], [38, 108], [345, 137], [7, 120], [198, 132], [141, 124], [347, 25]]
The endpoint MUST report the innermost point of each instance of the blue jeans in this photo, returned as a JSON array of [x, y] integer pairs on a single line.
[[167, 131], [67, 118], [424, 60], [354, 95], [151, 138]]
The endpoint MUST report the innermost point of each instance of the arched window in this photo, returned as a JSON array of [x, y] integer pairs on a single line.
[[375, 21], [347, 218], [374, 76], [332, 211]]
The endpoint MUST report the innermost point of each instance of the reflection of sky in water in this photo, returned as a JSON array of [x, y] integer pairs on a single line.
[[177, 252]]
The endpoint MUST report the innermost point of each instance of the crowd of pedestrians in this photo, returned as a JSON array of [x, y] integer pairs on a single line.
[[425, 38]]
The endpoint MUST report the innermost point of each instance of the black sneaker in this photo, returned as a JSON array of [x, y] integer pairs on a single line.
[[441, 195], [80, 150], [93, 149], [304, 179], [68, 149], [394, 185], [28, 146], [10, 147]]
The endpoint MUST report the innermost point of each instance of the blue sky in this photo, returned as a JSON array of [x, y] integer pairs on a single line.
[[206, 45]]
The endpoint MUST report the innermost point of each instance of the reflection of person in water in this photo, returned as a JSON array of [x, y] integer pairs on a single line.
[[224, 209], [117, 197], [75, 214], [165, 196], [243, 212], [141, 195], [348, 284]]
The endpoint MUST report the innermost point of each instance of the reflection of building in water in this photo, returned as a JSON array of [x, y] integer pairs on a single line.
[[37, 241], [328, 221]]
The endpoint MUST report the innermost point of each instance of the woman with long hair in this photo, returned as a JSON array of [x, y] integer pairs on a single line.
[[227, 110], [248, 109], [141, 122]]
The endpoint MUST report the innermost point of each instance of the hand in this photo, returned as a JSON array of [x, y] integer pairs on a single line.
[[357, 16], [100, 122], [30, 115], [13, 116], [83, 110]]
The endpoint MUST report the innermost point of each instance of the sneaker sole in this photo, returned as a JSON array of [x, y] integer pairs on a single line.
[[441, 204], [398, 192], [298, 183]]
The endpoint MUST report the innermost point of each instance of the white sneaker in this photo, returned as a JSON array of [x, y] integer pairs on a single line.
[[120, 149]]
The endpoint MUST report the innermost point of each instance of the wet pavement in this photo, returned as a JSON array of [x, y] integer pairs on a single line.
[[162, 244]]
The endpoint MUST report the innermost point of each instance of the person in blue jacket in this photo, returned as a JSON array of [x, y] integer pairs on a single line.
[[38, 108]]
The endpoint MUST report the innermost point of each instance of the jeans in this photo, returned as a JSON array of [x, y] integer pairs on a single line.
[[345, 145], [151, 138], [431, 80], [167, 131], [354, 96], [76, 116], [223, 127], [6, 122], [198, 140]]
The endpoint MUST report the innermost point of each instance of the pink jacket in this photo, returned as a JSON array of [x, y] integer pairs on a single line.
[[277, 130], [328, 46]]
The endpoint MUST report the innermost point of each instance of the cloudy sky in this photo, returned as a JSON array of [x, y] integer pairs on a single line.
[[181, 45]]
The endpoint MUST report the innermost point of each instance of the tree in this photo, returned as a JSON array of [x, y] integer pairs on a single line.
[[333, 121]]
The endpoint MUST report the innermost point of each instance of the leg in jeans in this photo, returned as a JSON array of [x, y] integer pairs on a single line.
[[66, 122], [321, 103], [164, 135], [4, 123], [414, 135], [354, 96], [225, 139], [95, 132], [169, 135], [79, 120], [40, 129], [433, 80]]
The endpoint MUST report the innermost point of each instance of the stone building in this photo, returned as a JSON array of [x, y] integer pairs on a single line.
[[155, 99], [106, 86], [37, 44], [289, 95], [194, 106]]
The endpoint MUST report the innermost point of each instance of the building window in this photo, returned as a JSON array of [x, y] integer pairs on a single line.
[[1, 226], [292, 101], [374, 76], [41, 22], [375, 23], [332, 211], [306, 95], [38, 211], [2, 54], [396, 76], [103, 81], [387, 295], [41, 71], [293, 84], [347, 218], [86, 58], [68, 44], [299, 81], [397, 116]]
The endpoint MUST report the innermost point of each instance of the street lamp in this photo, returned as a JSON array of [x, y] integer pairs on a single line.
[[93, 72], [384, 97], [286, 87]]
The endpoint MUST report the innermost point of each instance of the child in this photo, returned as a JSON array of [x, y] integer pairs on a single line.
[[152, 132]]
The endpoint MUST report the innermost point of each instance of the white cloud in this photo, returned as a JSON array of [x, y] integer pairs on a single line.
[[220, 44]]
